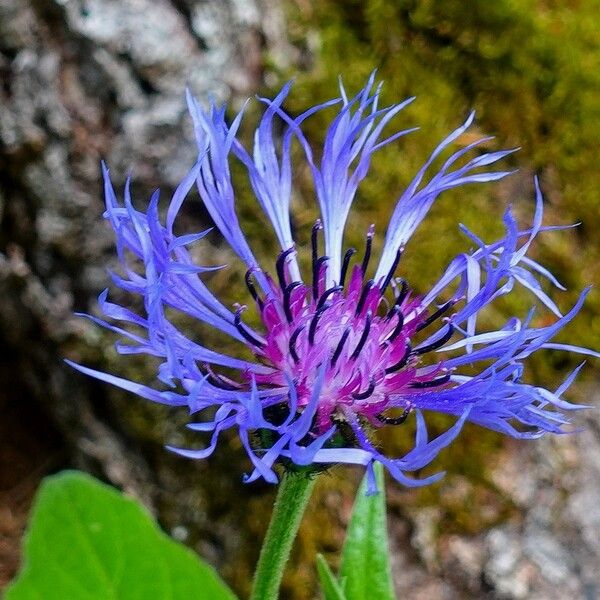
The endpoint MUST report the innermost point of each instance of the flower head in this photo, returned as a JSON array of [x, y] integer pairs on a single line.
[[345, 347]]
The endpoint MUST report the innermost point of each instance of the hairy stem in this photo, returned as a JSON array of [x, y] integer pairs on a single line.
[[292, 497]]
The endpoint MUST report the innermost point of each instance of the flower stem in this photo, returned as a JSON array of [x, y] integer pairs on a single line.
[[292, 497]]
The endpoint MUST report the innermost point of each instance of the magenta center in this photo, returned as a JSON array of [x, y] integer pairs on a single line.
[[356, 336]]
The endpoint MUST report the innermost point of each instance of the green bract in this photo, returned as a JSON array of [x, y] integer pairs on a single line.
[[365, 570]]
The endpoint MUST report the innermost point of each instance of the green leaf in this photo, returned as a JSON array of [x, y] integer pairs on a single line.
[[331, 588], [365, 556], [86, 541]]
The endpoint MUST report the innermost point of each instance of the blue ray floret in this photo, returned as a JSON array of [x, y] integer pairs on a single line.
[[338, 354]]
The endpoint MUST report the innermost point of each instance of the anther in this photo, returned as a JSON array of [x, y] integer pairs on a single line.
[[402, 293], [438, 343], [402, 362], [436, 315], [315, 321], [345, 264], [392, 312], [399, 326], [316, 273], [287, 296], [314, 241], [368, 245], [327, 293], [394, 420], [363, 337], [363, 296], [219, 381], [292, 344], [280, 265], [432, 383], [340, 346], [252, 289], [368, 392], [392, 270], [244, 331]]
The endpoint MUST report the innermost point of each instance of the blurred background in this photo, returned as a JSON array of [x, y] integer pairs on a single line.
[[83, 81]]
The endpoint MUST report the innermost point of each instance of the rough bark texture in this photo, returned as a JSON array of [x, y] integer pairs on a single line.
[[548, 548], [83, 81]]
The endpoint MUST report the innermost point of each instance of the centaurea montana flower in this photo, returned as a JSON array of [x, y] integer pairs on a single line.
[[340, 352]]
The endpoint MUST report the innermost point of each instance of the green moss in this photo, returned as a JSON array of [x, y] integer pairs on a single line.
[[531, 70]]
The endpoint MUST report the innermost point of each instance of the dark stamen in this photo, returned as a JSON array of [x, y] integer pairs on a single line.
[[394, 420], [402, 362], [315, 321], [363, 337], [287, 297], [402, 293], [252, 289], [392, 270], [244, 331], [436, 315], [363, 296], [292, 344], [437, 344], [327, 293], [368, 392], [398, 327], [432, 383], [392, 313], [314, 241], [316, 273], [219, 381], [367, 256], [280, 265], [340, 346], [349, 254]]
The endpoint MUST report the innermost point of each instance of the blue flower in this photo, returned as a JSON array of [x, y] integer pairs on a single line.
[[348, 347]]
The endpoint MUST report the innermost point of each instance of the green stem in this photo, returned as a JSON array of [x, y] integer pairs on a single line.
[[292, 498]]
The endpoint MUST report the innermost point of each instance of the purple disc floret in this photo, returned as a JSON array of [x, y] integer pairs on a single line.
[[345, 346]]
